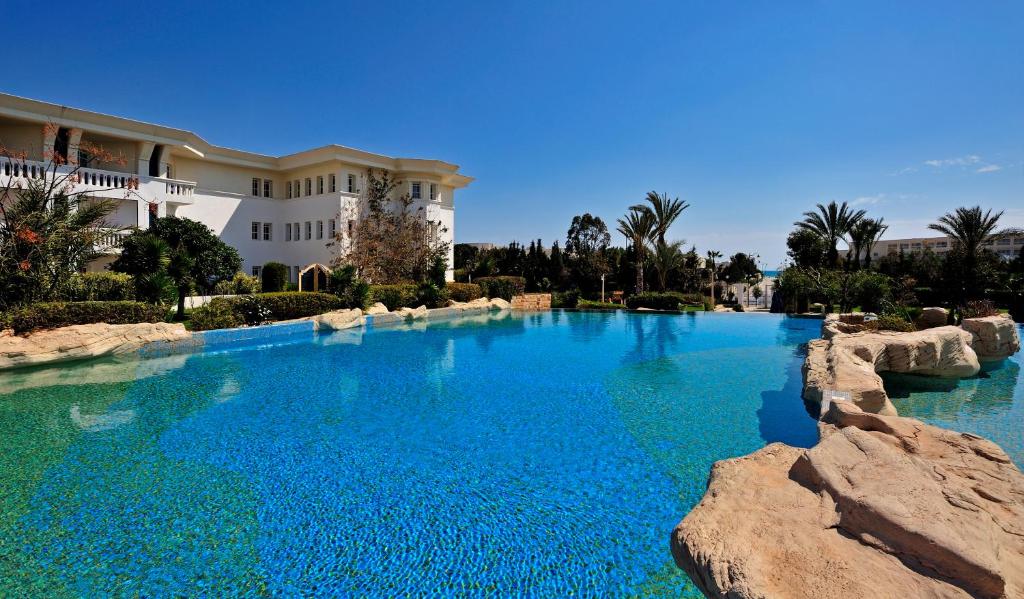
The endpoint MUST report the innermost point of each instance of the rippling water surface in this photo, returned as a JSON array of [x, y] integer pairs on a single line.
[[546, 454]]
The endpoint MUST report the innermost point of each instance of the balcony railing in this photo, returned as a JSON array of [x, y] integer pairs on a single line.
[[109, 240], [102, 182]]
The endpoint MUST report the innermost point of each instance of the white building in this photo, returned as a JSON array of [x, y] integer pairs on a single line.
[[270, 208], [1008, 248]]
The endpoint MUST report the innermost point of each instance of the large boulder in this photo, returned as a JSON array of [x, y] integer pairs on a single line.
[[338, 320], [882, 506], [84, 341], [377, 308], [931, 318], [412, 313], [850, 363], [993, 337]]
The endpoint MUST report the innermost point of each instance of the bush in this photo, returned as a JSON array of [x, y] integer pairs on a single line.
[[464, 292], [503, 287], [567, 299], [285, 305], [51, 315], [694, 299], [889, 322], [592, 305], [102, 287], [252, 310], [274, 277], [352, 290], [401, 295], [240, 284], [218, 314], [669, 300], [978, 309], [430, 295]]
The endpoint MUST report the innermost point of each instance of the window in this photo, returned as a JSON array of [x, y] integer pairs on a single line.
[[297, 271], [320, 185], [255, 230], [288, 228], [296, 231], [334, 183], [257, 270], [268, 188], [332, 227], [416, 190], [432, 232], [309, 186], [351, 183], [170, 171], [255, 186], [351, 227], [319, 229], [288, 191], [267, 231], [298, 189], [433, 191], [309, 230]]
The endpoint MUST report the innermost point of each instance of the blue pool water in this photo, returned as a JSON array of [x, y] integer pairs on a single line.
[[547, 454]]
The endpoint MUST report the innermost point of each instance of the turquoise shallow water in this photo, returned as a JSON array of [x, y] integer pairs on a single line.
[[546, 455]]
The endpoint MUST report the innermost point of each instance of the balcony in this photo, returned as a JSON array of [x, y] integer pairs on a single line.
[[102, 183], [109, 241]]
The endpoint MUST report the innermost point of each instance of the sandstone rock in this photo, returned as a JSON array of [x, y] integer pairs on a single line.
[[883, 506], [377, 308], [84, 341], [412, 313], [850, 362], [993, 337], [931, 318], [339, 319], [499, 304]]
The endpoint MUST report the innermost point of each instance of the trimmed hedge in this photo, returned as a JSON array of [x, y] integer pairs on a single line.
[[694, 299], [504, 287], [401, 295], [565, 299], [274, 276], [669, 300], [285, 305], [592, 305], [102, 287], [51, 315], [464, 292]]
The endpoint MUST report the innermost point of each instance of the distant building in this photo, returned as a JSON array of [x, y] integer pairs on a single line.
[[1006, 248], [483, 247]]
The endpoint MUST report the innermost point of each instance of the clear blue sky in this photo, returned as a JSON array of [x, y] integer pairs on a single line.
[[751, 111]]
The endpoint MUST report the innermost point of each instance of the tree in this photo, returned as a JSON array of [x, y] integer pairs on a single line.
[[665, 211], [49, 228], [831, 223], [192, 256], [638, 226], [806, 248], [970, 229], [712, 256], [666, 257], [394, 242], [556, 267], [863, 236], [585, 246]]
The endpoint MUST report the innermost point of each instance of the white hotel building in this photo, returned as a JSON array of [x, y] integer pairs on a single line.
[[270, 208]]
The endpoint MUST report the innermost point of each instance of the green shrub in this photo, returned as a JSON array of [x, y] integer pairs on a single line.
[[51, 315], [102, 287], [240, 284], [566, 299], [274, 277], [592, 305], [401, 295], [252, 310], [464, 292], [218, 314], [285, 305], [694, 299], [668, 300], [345, 284], [430, 295], [890, 322], [503, 287]]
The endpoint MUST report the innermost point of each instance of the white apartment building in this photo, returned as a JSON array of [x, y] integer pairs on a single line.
[[1008, 248], [270, 208]]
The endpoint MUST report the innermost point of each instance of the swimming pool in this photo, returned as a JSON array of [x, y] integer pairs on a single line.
[[540, 454]]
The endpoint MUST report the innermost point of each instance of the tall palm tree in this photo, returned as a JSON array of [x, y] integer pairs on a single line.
[[665, 210], [970, 228], [832, 223], [863, 236], [666, 257], [638, 227], [712, 256]]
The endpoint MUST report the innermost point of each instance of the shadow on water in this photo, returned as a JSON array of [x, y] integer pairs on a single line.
[[784, 416]]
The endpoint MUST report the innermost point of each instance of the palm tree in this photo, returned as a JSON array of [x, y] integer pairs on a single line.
[[665, 210], [712, 256], [637, 227], [863, 236], [969, 229], [666, 258], [831, 223]]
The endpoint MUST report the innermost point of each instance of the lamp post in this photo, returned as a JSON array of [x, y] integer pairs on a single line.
[[602, 288]]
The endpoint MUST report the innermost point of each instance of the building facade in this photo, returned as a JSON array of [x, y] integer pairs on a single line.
[[270, 208], [1008, 248]]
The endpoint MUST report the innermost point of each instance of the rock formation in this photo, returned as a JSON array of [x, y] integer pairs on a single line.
[[377, 308], [882, 506], [338, 320], [851, 362], [412, 313], [83, 341], [931, 318], [994, 337]]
